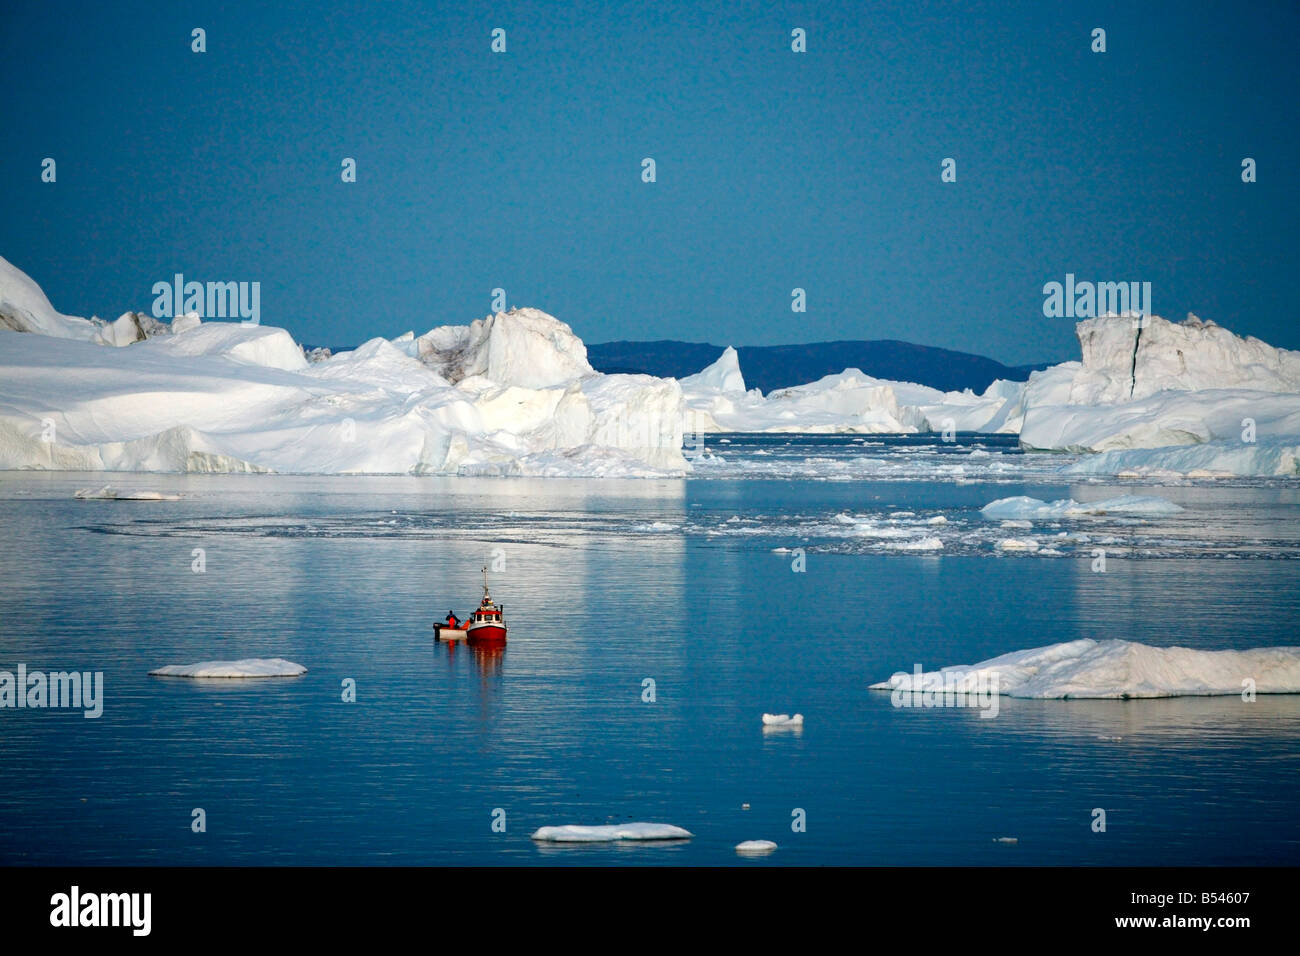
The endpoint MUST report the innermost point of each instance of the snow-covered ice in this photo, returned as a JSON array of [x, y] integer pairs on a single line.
[[755, 847], [249, 667], [573, 833], [1088, 668]]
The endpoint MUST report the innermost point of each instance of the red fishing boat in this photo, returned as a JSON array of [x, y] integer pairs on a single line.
[[487, 625]]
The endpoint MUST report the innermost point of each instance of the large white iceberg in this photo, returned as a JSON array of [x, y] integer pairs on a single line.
[[1144, 388], [511, 394], [1117, 669], [1150, 383], [514, 394]]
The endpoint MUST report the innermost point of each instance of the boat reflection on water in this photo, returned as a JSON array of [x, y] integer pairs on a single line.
[[487, 658]]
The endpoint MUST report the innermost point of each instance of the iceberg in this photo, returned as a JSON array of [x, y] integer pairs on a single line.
[[1150, 383], [249, 668], [755, 847], [846, 402], [1119, 669], [573, 833], [723, 376], [514, 394], [1126, 358], [510, 394]]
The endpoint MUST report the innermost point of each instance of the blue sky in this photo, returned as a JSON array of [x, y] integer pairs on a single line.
[[775, 170]]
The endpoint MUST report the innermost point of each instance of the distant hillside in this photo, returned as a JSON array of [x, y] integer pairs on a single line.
[[770, 367]]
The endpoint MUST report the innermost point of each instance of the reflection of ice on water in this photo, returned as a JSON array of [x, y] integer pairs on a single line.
[[1136, 725]]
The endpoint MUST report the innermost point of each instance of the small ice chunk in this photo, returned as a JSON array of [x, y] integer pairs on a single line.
[[249, 667], [755, 847], [1017, 544], [782, 720], [1006, 839], [573, 833], [917, 544]]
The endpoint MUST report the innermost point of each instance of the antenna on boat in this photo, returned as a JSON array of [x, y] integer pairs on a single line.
[[485, 586]]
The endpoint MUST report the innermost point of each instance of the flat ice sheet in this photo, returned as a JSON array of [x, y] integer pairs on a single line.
[[249, 667], [606, 834]]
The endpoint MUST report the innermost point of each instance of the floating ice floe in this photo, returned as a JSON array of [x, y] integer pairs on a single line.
[[112, 494], [1116, 669], [1022, 506], [249, 668], [573, 833], [1006, 840], [1017, 544], [930, 543], [755, 847], [782, 720]]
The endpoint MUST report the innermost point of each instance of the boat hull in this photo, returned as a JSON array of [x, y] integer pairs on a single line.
[[486, 634], [443, 633]]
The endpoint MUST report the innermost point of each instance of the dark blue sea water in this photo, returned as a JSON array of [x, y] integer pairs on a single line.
[[607, 583]]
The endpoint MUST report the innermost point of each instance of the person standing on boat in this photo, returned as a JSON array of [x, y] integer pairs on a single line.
[[452, 623]]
